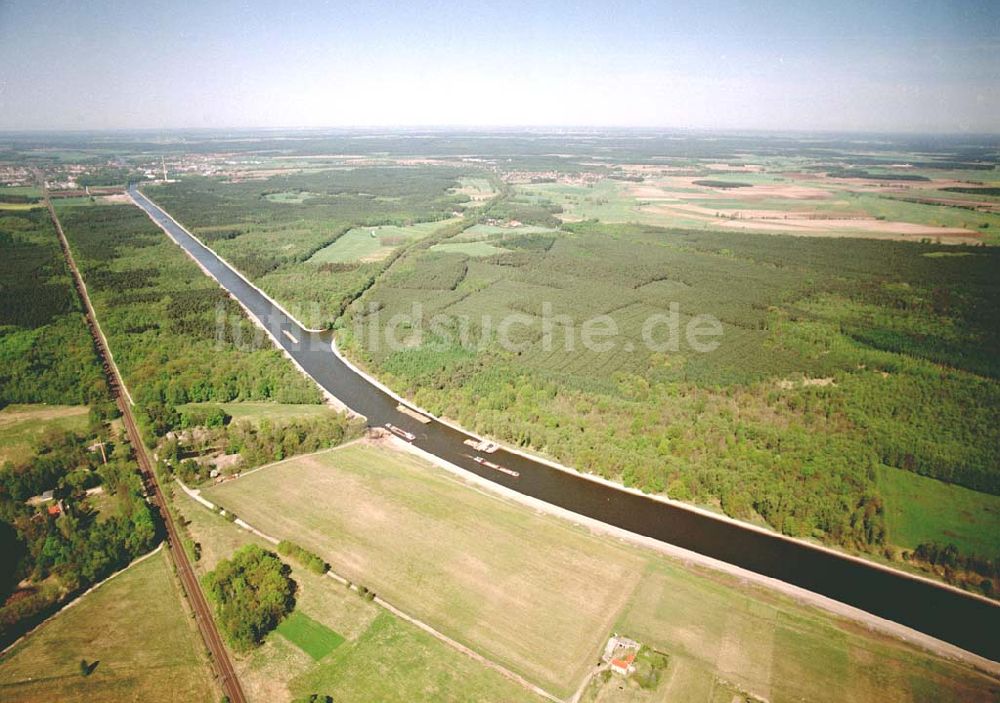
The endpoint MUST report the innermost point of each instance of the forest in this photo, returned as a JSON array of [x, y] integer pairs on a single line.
[[176, 337], [46, 354], [837, 357]]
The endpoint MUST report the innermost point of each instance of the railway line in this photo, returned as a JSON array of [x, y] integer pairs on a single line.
[[189, 580]]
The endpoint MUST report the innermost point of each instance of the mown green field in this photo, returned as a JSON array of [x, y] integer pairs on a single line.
[[28, 191], [922, 509], [136, 633], [468, 248], [79, 201], [22, 425], [540, 595], [359, 244], [381, 658], [394, 661], [314, 638], [483, 231], [292, 197]]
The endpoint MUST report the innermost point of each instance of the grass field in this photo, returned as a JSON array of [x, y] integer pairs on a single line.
[[468, 248], [479, 190], [358, 244], [136, 632], [394, 661], [255, 412], [381, 658], [19, 206], [291, 197], [482, 231], [921, 509], [314, 638], [22, 425], [777, 650], [484, 570], [30, 191], [78, 200]]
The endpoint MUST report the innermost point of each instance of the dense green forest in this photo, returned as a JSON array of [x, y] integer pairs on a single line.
[[176, 336], [46, 354], [837, 356]]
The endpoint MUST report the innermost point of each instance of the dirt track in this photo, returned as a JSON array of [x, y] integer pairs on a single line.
[[203, 614]]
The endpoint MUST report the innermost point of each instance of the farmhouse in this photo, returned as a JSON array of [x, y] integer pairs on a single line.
[[620, 653], [624, 666]]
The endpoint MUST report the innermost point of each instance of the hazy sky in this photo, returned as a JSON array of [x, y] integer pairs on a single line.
[[871, 65]]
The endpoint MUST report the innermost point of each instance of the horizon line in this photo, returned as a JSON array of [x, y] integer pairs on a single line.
[[499, 129]]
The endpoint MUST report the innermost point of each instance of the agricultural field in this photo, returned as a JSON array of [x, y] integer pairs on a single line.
[[481, 578], [469, 248], [14, 193], [401, 528], [478, 190], [376, 656], [111, 629], [721, 638], [485, 231], [799, 203]]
